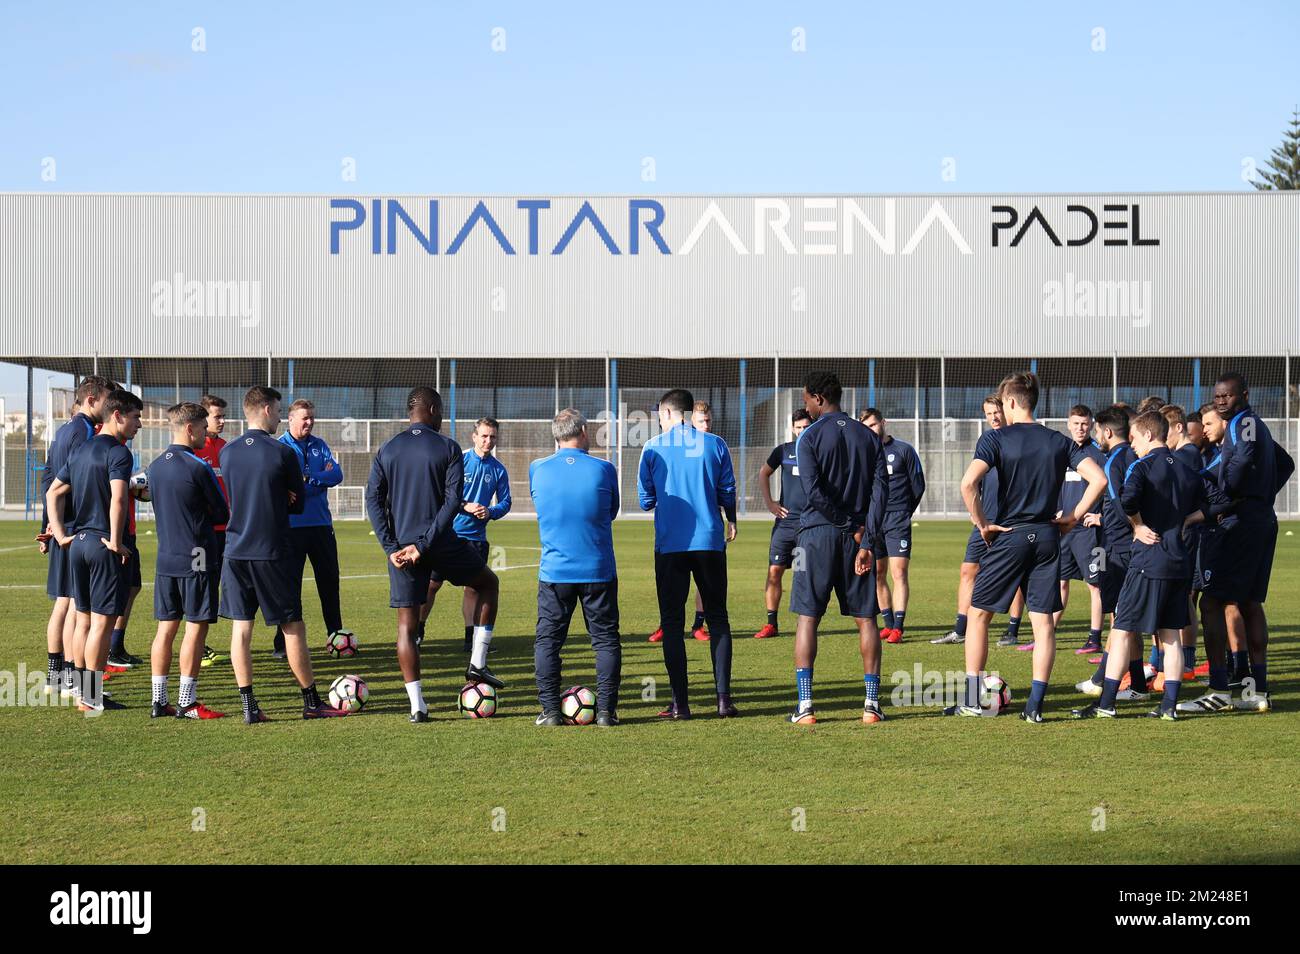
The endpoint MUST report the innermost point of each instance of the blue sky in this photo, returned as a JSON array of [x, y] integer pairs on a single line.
[[584, 92]]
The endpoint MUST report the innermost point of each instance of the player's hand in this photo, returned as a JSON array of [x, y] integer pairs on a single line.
[[776, 510], [1065, 522], [1145, 534], [731, 532], [477, 511], [44, 536], [43, 545], [65, 540], [121, 549], [862, 562], [1092, 519], [989, 532], [293, 498]]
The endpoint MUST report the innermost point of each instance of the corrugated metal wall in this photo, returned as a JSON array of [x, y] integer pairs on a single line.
[[858, 275]]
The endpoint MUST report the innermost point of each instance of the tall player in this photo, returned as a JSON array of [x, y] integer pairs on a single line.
[[1024, 545], [894, 548], [187, 500], [210, 453], [1079, 546], [842, 468], [976, 547], [485, 496], [412, 497], [786, 510], [59, 632], [264, 481], [96, 479]]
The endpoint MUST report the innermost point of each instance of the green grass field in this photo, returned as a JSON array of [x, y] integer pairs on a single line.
[[373, 788]]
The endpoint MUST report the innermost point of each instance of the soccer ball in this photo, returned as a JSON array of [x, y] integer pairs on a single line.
[[138, 486], [477, 700], [578, 706], [342, 643], [349, 693], [996, 695]]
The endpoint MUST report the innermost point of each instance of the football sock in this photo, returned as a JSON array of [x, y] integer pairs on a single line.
[[699, 621], [1259, 673], [771, 618], [1036, 692], [1189, 658], [972, 691], [1241, 661], [248, 701], [1156, 659], [959, 627], [53, 667], [189, 687], [1137, 677], [119, 642], [160, 690], [69, 673], [277, 644], [1013, 627], [871, 682], [420, 631], [1109, 690], [469, 633], [1170, 701], [1094, 637], [415, 693], [803, 684], [310, 697], [482, 641], [888, 614], [898, 619], [1219, 678], [1099, 676]]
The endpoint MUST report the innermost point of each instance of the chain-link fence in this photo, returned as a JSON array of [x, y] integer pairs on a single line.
[[932, 403]]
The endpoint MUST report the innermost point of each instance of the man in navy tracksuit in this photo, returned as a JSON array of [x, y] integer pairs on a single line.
[[96, 478], [485, 496], [1080, 553], [576, 499], [893, 551], [1024, 545], [1252, 469], [686, 478], [187, 503], [842, 469], [60, 633], [312, 531], [412, 497], [1159, 495], [264, 481]]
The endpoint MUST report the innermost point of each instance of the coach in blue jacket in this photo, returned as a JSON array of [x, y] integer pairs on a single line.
[[686, 479], [312, 531], [576, 499]]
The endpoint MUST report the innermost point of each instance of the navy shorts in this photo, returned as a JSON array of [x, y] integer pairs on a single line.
[[897, 533], [458, 561], [192, 598], [1207, 542], [269, 585], [1147, 605], [975, 547], [1079, 557], [1241, 562], [58, 575], [1113, 576], [99, 577], [1026, 557], [785, 537], [828, 556], [133, 578]]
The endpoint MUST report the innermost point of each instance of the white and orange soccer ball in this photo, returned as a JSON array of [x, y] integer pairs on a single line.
[[477, 700], [578, 706], [349, 693], [342, 644], [995, 695]]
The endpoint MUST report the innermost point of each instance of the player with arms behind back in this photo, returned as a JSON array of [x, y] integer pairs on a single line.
[[842, 467], [1024, 545], [787, 510]]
